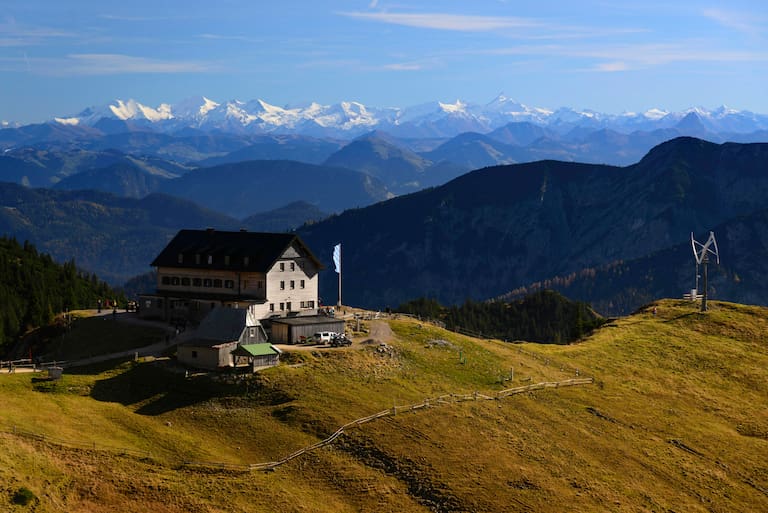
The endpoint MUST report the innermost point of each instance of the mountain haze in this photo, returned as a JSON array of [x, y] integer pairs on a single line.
[[245, 188]]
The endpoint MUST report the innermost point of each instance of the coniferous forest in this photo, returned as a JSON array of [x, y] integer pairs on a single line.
[[34, 288], [544, 316]]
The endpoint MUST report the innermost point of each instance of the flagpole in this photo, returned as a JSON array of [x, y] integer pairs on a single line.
[[339, 275]]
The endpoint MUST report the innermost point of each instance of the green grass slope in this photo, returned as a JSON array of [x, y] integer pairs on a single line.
[[677, 420]]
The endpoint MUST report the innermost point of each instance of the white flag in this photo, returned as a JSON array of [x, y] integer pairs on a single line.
[[337, 257]]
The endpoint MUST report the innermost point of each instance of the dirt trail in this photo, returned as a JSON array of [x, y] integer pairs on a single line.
[[381, 332]]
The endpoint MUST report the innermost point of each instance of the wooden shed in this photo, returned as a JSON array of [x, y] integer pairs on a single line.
[[292, 330]]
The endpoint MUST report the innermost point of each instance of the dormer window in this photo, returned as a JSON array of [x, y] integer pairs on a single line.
[[282, 266], [246, 260], [226, 259], [210, 259], [181, 258], [197, 258]]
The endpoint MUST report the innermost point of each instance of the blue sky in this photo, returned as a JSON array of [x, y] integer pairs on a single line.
[[58, 57]]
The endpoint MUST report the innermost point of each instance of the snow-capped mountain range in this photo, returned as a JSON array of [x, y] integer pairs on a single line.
[[433, 119]]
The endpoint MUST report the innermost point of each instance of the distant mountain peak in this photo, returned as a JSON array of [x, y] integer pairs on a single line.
[[691, 123], [348, 119]]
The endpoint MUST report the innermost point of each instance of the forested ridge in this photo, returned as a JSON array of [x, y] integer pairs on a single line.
[[34, 288], [544, 316]]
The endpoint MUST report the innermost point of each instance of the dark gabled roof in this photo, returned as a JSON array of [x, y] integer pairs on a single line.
[[223, 324], [262, 250]]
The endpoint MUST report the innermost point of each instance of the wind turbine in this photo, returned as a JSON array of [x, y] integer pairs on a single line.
[[701, 252]]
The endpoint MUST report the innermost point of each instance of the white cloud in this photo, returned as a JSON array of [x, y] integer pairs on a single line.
[[101, 64], [612, 66], [222, 37], [403, 66], [442, 21], [634, 56], [140, 19], [17, 34], [744, 23], [111, 64]]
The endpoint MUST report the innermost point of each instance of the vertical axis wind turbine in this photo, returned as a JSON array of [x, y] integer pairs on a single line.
[[701, 252]]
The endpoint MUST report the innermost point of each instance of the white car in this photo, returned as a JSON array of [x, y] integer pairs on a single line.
[[323, 337]]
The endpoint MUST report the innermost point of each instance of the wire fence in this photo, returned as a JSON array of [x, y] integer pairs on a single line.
[[444, 399], [77, 444], [395, 410]]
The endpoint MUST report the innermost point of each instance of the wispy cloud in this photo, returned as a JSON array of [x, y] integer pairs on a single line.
[[17, 34], [403, 66], [740, 22], [442, 21], [226, 37], [141, 19], [508, 27], [624, 57], [113, 64], [611, 66], [101, 64]]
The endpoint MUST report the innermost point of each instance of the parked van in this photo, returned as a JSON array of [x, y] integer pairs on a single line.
[[323, 337]]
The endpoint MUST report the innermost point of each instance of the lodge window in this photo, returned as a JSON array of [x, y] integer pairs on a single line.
[[310, 304], [271, 307], [282, 306], [207, 282], [282, 266], [185, 282], [229, 284], [175, 280], [181, 258], [197, 258], [210, 259], [194, 354], [226, 259], [165, 280], [217, 284], [197, 282], [301, 284], [293, 266], [293, 284], [288, 306], [246, 260], [282, 285]]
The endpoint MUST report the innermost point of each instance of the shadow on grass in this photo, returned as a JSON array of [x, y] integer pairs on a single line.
[[156, 389], [682, 316]]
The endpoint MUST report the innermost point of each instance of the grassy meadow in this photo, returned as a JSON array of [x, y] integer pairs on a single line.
[[677, 420]]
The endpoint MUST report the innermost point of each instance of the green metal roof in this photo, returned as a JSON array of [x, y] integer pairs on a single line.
[[255, 349]]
